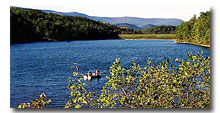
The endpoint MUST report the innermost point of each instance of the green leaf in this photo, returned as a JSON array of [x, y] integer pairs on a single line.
[[77, 106]]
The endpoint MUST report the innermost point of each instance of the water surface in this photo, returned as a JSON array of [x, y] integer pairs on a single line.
[[45, 66]]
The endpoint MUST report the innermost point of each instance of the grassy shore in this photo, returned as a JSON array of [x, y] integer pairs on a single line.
[[148, 36], [156, 37]]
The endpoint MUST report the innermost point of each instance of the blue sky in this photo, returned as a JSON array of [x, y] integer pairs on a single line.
[[181, 9]]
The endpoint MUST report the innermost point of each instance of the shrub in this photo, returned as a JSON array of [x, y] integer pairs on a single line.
[[170, 84], [40, 102]]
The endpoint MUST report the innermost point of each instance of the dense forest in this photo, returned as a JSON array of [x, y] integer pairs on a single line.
[[163, 29], [196, 30], [30, 25], [130, 26], [130, 31]]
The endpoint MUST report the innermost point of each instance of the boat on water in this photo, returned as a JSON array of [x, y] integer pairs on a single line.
[[91, 76]]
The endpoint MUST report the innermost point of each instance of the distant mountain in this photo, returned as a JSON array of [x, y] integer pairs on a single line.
[[66, 13], [148, 26], [139, 22], [131, 26]]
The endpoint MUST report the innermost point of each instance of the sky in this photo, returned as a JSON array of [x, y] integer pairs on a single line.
[[181, 9]]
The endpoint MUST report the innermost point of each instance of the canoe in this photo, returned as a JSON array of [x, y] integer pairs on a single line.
[[86, 77]]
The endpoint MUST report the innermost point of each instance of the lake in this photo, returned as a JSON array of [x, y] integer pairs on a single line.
[[45, 66]]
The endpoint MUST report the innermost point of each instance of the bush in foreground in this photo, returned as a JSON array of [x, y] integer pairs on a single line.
[[40, 102], [179, 84]]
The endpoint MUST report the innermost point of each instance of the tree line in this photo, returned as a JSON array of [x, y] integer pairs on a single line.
[[30, 25], [196, 30], [130, 31], [163, 29]]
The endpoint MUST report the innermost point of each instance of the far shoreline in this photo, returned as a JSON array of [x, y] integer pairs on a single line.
[[206, 46], [148, 39]]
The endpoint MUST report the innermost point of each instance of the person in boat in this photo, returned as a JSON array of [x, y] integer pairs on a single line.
[[88, 76], [89, 73], [97, 72]]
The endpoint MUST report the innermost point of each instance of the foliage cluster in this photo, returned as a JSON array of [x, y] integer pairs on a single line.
[[30, 25], [40, 102], [130, 31], [147, 36], [169, 84], [163, 29], [196, 30]]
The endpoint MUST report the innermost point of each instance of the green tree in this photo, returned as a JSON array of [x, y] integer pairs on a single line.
[[196, 30], [29, 25]]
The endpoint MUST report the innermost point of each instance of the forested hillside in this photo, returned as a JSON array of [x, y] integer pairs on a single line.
[[138, 21], [196, 30], [130, 26], [164, 29], [29, 25]]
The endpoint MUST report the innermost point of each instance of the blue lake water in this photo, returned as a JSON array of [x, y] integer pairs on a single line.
[[45, 66]]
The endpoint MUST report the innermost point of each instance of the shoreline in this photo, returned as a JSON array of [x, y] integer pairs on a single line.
[[206, 46], [148, 39]]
